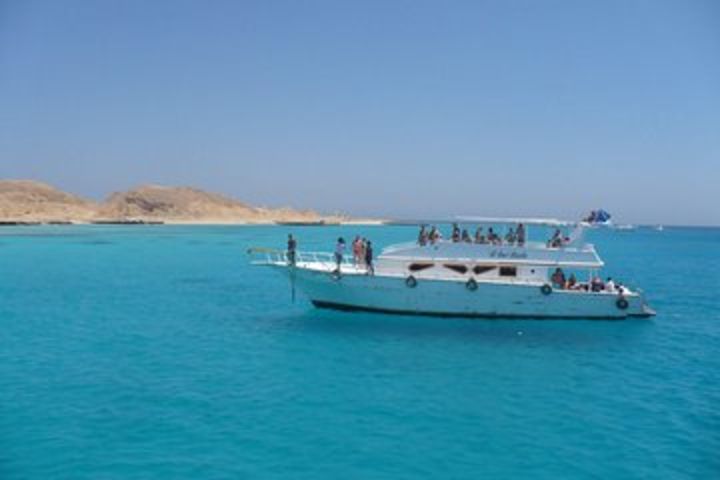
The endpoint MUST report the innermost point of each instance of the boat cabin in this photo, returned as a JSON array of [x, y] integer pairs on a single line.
[[530, 261]]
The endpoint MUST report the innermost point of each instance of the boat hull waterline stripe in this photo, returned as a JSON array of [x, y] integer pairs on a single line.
[[480, 315]]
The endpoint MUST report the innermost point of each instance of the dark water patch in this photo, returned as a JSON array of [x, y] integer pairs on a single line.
[[42, 235], [194, 281], [96, 242]]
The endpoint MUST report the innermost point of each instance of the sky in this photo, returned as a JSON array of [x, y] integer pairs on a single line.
[[391, 108]]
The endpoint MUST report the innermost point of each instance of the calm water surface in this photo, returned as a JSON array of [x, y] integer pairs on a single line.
[[158, 352]]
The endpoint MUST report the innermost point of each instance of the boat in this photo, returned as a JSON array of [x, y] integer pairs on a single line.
[[301, 223], [598, 218], [460, 279], [625, 227]]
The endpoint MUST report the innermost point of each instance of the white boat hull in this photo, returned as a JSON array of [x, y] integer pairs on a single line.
[[391, 294]]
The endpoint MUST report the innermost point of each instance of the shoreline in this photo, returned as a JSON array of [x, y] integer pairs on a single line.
[[171, 222], [237, 223], [29, 202], [250, 223]]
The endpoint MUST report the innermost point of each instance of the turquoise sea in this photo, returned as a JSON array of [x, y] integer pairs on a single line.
[[157, 352]]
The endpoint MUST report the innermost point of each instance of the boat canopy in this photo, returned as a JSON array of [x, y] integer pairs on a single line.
[[534, 253], [547, 222]]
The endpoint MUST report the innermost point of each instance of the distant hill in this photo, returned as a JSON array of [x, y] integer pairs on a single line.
[[26, 200], [23, 200], [174, 203]]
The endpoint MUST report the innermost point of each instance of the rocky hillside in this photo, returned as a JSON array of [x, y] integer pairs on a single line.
[[178, 203], [26, 200]]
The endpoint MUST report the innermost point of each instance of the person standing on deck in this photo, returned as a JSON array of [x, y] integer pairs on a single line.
[[339, 253], [363, 248], [291, 249], [422, 236], [369, 258], [357, 250]]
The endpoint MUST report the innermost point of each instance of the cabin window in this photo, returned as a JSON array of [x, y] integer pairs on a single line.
[[416, 267], [508, 271], [480, 269], [462, 269]]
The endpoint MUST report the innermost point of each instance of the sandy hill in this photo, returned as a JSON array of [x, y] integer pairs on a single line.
[[29, 201], [26, 200], [186, 204], [180, 203]]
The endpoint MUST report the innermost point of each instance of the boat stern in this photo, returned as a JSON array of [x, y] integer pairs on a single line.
[[639, 307]]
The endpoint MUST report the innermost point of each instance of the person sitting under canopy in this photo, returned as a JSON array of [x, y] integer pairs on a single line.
[[492, 237], [557, 239], [510, 236], [520, 234], [558, 278], [434, 235], [455, 233]]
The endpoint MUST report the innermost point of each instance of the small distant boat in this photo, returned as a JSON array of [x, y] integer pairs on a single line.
[[300, 223], [127, 222], [16, 223], [659, 228], [627, 227], [464, 279]]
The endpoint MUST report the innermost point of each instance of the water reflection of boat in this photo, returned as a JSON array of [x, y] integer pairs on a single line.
[[463, 279]]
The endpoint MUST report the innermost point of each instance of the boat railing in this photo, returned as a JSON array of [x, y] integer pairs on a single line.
[[267, 256]]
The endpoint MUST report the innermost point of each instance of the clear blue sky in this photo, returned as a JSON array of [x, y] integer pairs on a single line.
[[405, 108]]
